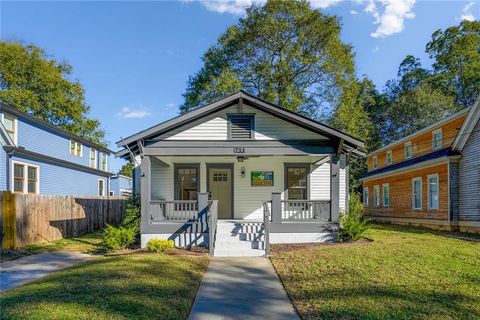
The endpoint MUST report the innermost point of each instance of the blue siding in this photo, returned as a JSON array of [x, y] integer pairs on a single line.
[[3, 172], [118, 183], [57, 180]]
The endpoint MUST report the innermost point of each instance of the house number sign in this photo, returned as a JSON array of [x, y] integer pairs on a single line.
[[238, 150]]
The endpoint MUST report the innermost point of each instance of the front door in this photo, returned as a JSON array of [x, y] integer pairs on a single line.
[[220, 185]]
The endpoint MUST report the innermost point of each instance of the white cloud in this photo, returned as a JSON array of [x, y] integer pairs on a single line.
[[133, 112], [466, 13], [391, 19], [353, 12], [170, 105], [322, 4]]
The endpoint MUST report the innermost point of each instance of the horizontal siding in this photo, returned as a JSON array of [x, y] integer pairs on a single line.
[[469, 178], [214, 127], [56, 180], [248, 200], [343, 189], [3, 172]]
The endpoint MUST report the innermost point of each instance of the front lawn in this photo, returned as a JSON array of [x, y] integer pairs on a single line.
[[139, 286], [403, 274]]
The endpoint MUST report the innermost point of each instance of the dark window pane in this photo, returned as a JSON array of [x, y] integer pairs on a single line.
[[18, 185], [32, 173], [297, 183], [32, 186], [187, 183], [18, 171]]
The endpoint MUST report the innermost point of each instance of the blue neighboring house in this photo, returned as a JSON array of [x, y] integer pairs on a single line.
[[37, 157], [120, 186]]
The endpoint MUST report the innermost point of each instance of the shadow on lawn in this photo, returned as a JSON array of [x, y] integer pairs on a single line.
[[136, 287], [392, 304]]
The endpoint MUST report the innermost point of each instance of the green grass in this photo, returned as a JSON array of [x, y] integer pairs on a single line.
[[87, 243], [141, 286], [404, 274]]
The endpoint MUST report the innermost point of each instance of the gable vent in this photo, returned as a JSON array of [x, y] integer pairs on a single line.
[[240, 127]]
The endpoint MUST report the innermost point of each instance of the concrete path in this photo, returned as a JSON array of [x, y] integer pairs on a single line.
[[242, 288], [27, 269]]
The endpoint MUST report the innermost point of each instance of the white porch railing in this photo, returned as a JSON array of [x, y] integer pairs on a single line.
[[305, 210], [173, 211]]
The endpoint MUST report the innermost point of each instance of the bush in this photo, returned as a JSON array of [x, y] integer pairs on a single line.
[[353, 223], [132, 214], [159, 245], [118, 238]]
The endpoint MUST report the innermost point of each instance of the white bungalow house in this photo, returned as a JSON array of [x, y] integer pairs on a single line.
[[239, 174]]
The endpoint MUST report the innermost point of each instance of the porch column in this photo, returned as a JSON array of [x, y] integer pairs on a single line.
[[145, 194], [276, 207], [335, 188]]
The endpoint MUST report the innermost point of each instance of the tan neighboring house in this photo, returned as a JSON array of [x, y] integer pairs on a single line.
[[430, 178]]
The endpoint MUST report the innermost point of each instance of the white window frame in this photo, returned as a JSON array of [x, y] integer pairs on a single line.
[[365, 197], [103, 154], [405, 147], [375, 162], [433, 139], [98, 188], [385, 205], [388, 159], [75, 150], [428, 192], [413, 193], [376, 196], [25, 177], [15, 125], [95, 153]]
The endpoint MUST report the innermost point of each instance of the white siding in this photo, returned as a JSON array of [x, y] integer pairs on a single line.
[[343, 189], [214, 127], [248, 200]]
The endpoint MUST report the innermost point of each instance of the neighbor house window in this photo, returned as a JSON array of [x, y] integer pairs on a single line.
[[297, 182], [417, 193], [386, 195], [408, 150], [376, 196], [104, 161], [432, 191], [101, 187], [76, 148], [437, 139], [25, 178], [10, 124], [93, 158], [240, 127], [375, 162], [389, 157], [365, 197], [187, 182]]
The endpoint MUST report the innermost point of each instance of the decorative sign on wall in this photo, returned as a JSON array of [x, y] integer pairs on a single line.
[[262, 178]]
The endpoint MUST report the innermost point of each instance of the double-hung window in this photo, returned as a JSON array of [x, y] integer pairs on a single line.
[[417, 193], [93, 158], [386, 195], [432, 184], [104, 161], [408, 150], [101, 187], [297, 181], [10, 124], [375, 162], [389, 157], [376, 196], [25, 178], [187, 182], [365, 197], [437, 137], [76, 148]]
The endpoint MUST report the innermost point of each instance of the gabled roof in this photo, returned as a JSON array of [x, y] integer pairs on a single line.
[[250, 100], [468, 126], [20, 114]]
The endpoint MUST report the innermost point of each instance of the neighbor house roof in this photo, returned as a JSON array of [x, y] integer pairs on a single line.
[[252, 101]]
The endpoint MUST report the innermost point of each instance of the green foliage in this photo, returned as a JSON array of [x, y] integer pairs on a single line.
[[159, 245], [33, 82], [353, 223], [132, 217], [117, 238], [284, 52], [126, 170]]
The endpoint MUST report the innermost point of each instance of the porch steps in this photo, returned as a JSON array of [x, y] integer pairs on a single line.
[[234, 239]]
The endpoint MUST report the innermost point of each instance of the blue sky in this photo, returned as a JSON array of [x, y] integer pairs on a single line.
[[134, 58]]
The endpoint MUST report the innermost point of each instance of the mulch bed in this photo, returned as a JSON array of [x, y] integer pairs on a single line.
[[289, 247]]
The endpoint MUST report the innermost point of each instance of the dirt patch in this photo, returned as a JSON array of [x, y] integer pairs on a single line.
[[289, 247]]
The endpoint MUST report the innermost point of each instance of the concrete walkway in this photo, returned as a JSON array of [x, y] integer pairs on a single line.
[[27, 269], [242, 288]]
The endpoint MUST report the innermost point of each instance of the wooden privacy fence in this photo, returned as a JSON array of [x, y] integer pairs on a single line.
[[29, 219]]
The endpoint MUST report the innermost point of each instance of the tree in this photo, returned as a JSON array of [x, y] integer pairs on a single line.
[[456, 55], [36, 84], [126, 170], [284, 52]]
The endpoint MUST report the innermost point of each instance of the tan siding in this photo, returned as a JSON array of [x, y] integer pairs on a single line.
[[401, 194]]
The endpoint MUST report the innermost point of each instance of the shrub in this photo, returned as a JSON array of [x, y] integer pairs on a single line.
[[353, 223], [117, 238], [132, 214], [159, 245]]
